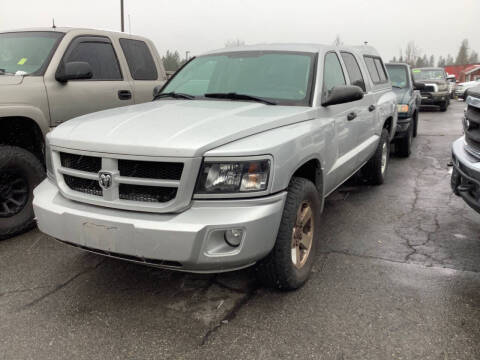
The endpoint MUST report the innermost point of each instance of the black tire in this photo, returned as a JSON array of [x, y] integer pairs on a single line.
[[373, 168], [278, 269], [415, 124], [444, 106], [403, 146], [20, 172]]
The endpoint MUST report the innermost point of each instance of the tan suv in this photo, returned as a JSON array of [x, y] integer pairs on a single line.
[[48, 76]]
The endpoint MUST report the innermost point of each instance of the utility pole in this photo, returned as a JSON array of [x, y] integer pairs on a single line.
[[121, 16]]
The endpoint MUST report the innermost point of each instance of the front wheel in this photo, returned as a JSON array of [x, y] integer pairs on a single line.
[[403, 146], [415, 124], [290, 262], [444, 106], [20, 172], [375, 169]]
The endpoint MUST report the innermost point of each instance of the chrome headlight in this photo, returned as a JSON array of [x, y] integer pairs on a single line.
[[443, 87], [402, 108], [233, 177]]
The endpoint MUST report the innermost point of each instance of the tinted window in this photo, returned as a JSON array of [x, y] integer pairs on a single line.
[[333, 73], [398, 75], [139, 59], [100, 56], [372, 69], [381, 70], [353, 70]]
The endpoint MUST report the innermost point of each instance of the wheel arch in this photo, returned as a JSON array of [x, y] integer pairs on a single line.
[[311, 169]]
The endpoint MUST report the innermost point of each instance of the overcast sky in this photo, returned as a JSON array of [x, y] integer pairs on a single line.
[[436, 26]]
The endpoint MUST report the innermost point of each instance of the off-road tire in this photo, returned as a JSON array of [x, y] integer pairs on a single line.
[[403, 146], [444, 106], [373, 168], [277, 269], [16, 159]]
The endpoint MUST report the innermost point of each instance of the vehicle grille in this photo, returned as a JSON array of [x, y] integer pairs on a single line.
[[80, 162], [82, 185], [429, 88], [145, 184], [146, 193], [471, 126], [150, 169]]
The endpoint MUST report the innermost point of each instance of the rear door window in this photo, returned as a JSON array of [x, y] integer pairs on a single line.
[[101, 57], [354, 72], [381, 70], [372, 69], [139, 59], [332, 73]]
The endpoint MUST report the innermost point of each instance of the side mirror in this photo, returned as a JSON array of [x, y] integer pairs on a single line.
[[74, 70], [156, 90], [419, 86], [343, 94]]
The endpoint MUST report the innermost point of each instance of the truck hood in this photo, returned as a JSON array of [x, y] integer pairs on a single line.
[[403, 95], [469, 83], [432, 81], [10, 80], [183, 128]]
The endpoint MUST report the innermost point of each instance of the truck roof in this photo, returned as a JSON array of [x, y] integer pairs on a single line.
[[299, 47], [73, 29]]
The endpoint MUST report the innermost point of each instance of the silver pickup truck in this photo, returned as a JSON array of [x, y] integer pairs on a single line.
[[48, 76], [229, 167]]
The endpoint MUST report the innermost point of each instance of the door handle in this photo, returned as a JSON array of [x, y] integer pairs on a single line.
[[371, 108], [124, 94], [351, 116]]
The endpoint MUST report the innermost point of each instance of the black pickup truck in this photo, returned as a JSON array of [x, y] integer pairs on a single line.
[[409, 99]]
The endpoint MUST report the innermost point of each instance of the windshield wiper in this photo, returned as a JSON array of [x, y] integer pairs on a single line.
[[396, 86], [174, 95], [235, 96]]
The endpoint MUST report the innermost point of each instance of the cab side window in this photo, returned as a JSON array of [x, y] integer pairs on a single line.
[[354, 73], [139, 59], [101, 57], [376, 69], [332, 73]]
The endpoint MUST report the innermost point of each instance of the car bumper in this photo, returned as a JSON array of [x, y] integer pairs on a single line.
[[434, 98], [189, 241], [465, 180], [403, 125]]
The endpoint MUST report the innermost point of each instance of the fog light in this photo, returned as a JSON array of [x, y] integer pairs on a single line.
[[233, 237]]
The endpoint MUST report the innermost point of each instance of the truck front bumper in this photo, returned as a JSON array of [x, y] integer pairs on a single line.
[[189, 241], [465, 180], [435, 98], [403, 125]]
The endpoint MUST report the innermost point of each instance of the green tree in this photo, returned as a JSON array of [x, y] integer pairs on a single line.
[[441, 62], [450, 60], [462, 56], [473, 59], [431, 61], [171, 60]]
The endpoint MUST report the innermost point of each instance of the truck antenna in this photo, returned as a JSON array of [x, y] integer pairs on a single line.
[[53, 23], [365, 43]]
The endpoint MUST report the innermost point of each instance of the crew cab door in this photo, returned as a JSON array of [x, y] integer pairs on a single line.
[[145, 71], [107, 88], [364, 109], [345, 128]]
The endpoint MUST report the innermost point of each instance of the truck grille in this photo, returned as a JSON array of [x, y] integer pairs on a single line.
[[146, 184], [429, 88], [146, 193], [80, 162], [150, 169], [471, 125], [85, 186]]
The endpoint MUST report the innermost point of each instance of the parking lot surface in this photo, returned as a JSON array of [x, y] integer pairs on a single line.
[[397, 278]]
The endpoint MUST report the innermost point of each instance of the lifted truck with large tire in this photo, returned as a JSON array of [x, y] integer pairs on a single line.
[[228, 167], [48, 76]]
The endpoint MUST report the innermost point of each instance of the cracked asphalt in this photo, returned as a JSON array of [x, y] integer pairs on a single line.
[[397, 278]]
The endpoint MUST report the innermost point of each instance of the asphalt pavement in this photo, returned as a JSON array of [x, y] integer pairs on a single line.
[[397, 278]]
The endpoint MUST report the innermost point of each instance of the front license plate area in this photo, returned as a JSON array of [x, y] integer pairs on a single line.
[[100, 236]]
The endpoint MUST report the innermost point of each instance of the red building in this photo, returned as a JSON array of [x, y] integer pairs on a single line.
[[464, 73]]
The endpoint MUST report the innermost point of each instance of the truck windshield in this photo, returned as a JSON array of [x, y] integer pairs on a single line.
[[428, 74], [284, 78], [26, 53], [398, 75]]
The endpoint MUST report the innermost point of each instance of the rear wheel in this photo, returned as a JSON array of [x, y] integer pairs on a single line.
[[290, 262], [375, 169], [20, 172], [444, 106]]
